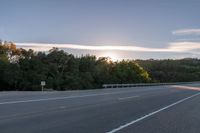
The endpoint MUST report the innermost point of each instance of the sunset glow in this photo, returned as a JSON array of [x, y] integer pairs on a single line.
[[113, 56]]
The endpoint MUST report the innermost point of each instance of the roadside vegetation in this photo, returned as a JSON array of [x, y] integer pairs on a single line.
[[182, 70], [22, 69]]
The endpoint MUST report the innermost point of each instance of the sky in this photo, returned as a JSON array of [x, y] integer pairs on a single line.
[[121, 29]]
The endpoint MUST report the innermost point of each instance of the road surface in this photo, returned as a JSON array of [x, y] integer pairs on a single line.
[[155, 109]]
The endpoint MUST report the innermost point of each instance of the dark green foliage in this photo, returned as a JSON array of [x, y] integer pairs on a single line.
[[172, 70], [22, 69]]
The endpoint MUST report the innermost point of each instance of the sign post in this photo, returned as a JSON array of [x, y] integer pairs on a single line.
[[43, 83]]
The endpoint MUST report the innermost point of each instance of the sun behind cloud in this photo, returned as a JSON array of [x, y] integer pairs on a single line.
[[112, 55]]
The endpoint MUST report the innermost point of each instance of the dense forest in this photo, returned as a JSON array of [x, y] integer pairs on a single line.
[[22, 69], [182, 70]]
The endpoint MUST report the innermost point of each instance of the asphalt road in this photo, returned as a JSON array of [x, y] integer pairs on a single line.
[[155, 109]]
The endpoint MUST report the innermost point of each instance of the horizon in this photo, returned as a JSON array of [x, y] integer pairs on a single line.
[[121, 30]]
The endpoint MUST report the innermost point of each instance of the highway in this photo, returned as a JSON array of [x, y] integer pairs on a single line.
[[153, 109]]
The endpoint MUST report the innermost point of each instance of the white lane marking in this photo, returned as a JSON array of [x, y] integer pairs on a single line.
[[151, 114], [69, 97], [123, 98]]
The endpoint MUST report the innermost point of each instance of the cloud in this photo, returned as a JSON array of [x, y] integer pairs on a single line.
[[184, 46], [186, 32], [177, 47], [44, 47]]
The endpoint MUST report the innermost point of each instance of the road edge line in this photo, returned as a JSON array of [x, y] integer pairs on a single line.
[[152, 113]]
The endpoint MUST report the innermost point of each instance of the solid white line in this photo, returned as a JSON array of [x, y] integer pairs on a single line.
[[151, 114], [123, 98], [69, 97]]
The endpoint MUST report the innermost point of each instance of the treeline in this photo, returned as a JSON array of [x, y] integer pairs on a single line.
[[182, 70], [22, 69]]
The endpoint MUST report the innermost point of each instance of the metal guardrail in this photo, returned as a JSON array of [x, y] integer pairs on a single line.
[[144, 84]]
